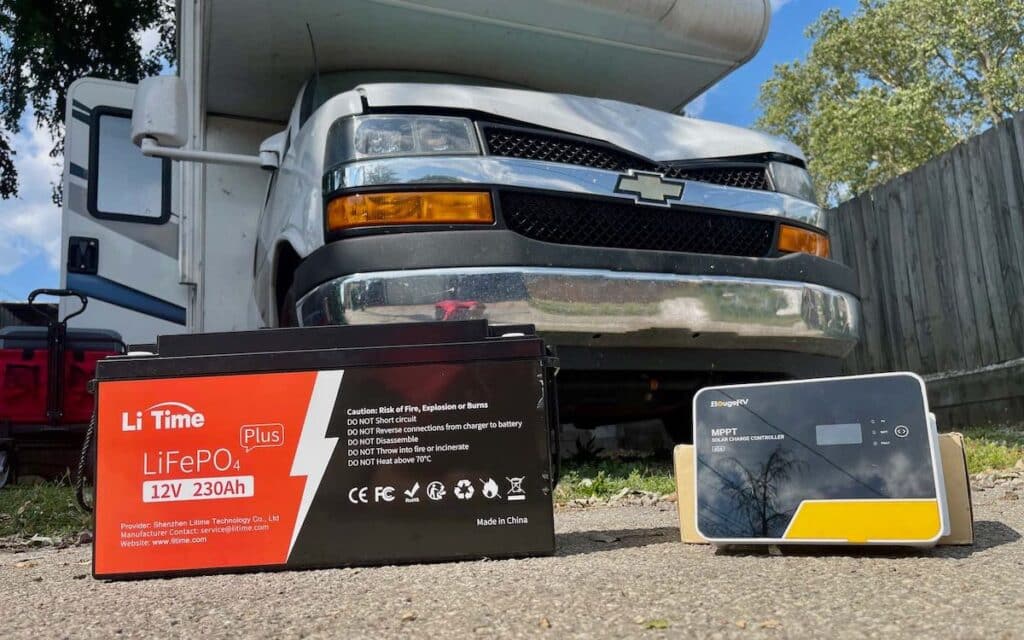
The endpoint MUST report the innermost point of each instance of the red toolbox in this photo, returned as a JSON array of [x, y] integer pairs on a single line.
[[25, 375]]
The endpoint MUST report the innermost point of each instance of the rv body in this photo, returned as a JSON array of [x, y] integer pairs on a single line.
[[384, 161]]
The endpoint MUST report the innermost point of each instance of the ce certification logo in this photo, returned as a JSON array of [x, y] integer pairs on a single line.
[[361, 495]]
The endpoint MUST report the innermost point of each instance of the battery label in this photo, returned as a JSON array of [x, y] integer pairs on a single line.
[[197, 489], [321, 468]]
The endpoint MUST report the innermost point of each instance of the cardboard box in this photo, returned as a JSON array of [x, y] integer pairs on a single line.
[[958, 490], [954, 468]]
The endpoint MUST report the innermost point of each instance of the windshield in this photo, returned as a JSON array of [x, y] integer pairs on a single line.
[[320, 89]]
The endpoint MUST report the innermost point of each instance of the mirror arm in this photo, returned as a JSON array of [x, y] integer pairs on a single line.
[[150, 147]]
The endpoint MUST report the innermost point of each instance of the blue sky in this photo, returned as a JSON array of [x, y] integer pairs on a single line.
[[734, 100], [30, 224]]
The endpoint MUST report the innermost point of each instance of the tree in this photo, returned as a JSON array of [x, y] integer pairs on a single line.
[[45, 45], [894, 84]]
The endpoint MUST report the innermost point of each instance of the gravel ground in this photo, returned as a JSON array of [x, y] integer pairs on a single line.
[[620, 571]]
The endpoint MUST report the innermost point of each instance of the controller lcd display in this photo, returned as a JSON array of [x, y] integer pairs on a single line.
[[829, 434]]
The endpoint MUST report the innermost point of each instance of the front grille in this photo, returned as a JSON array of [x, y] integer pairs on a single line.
[[529, 145], [745, 177], [621, 225], [533, 145]]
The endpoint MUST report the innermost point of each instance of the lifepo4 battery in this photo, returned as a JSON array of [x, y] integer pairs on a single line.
[[324, 447]]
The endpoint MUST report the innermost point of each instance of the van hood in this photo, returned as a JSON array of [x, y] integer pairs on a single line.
[[653, 134]]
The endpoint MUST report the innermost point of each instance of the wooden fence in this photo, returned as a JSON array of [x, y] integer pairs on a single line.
[[939, 253]]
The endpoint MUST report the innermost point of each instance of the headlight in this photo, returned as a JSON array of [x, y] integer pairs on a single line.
[[792, 180], [383, 136]]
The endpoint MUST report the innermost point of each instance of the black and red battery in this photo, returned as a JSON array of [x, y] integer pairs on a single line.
[[325, 447], [45, 403]]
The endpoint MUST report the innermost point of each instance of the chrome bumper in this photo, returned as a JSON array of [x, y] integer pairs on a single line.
[[585, 307]]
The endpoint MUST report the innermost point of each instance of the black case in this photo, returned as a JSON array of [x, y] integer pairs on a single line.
[[507, 367]]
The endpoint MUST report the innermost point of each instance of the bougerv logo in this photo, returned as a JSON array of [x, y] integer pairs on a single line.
[[163, 416], [739, 402]]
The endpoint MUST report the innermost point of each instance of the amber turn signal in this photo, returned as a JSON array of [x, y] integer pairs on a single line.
[[409, 207], [800, 240]]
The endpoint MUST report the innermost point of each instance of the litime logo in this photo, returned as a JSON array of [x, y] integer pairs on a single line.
[[164, 416], [739, 402]]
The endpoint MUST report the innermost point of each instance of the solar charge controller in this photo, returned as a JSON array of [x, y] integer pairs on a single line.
[[851, 460]]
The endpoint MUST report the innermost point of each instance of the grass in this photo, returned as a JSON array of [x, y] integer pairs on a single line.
[[604, 478], [993, 448], [47, 509]]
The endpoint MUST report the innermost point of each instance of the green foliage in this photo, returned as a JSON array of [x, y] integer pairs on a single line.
[[46, 509], [606, 477], [45, 45], [993, 448], [894, 84]]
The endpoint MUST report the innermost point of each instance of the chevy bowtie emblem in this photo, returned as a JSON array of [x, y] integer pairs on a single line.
[[649, 188]]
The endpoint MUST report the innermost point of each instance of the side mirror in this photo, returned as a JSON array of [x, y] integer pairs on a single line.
[[160, 125], [160, 112], [272, 150]]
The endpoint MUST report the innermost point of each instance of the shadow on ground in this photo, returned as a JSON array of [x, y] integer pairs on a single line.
[[581, 542], [988, 534]]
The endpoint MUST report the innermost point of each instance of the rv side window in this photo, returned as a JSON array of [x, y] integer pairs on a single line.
[[123, 183]]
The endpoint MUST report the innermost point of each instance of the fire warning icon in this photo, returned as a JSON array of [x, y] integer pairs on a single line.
[[490, 488]]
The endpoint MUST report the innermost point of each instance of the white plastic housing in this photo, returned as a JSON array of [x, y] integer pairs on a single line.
[[160, 112]]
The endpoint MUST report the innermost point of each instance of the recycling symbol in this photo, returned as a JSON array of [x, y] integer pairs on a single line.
[[463, 490]]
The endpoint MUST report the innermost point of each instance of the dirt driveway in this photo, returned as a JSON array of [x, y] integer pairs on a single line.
[[620, 571]]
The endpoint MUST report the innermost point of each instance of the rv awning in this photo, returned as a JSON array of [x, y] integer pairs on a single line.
[[657, 53]]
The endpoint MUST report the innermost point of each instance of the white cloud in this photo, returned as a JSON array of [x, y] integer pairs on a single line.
[[778, 4], [696, 107], [30, 223], [150, 38]]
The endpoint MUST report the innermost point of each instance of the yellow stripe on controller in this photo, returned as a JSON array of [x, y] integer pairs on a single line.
[[860, 521]]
